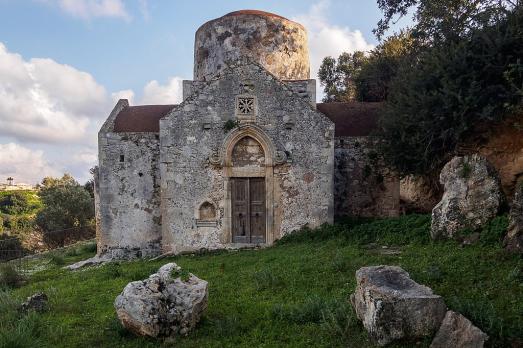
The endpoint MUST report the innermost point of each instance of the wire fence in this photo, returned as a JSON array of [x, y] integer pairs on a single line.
[[15, 250]]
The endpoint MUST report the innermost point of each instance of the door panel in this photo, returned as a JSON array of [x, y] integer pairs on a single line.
[[248, 210], [240, 210], [257, 213]]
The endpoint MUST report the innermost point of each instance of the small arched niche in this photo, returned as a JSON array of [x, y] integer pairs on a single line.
[[248, 152], [207, 212], [206, 215]]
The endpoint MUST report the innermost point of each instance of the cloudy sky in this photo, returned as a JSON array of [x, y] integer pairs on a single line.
[[64, 63]]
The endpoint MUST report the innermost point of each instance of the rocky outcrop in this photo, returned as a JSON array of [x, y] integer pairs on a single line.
[[169, 303], [392, 306], [472, 196], [38, 303], [458, 332], [418, 194], [513, 241]]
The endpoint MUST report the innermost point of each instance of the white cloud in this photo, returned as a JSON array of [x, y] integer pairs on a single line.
[[326, 39], [126, 94], [24, 165], [87, 9], [171, 93], [44, 101]]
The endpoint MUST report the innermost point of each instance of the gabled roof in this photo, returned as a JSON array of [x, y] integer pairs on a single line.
[[144, 118], [352, 119]]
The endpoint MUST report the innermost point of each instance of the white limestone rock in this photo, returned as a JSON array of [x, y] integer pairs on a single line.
[[164, 305], [393, 307], [472, 197], [458, 332]]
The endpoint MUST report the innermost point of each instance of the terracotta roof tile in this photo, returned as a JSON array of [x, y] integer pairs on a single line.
[[352, 119], [144, 118]]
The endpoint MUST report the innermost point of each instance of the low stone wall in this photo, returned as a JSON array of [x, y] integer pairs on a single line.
[[363, 185]]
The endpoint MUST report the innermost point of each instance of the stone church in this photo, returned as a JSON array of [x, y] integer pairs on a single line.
[[245, 159]]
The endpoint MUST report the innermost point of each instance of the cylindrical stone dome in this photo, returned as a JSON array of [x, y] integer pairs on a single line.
[[278, 44]]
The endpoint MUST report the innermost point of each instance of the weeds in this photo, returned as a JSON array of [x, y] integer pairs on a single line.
[[266, 279], [10, 277], [56, 259], [183, 274]]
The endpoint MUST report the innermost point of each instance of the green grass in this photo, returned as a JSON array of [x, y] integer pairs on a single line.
[[294, 294]]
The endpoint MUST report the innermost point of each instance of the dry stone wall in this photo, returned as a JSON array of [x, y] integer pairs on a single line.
[[363, 185]]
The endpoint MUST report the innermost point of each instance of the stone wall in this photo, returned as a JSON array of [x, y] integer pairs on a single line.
[[298, 145], [128, 195], [363, 186], [276, 43]]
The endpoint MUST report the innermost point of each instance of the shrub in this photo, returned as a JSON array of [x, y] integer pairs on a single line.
[[88, 248], [9, 276], [56, 259], [112, 270]]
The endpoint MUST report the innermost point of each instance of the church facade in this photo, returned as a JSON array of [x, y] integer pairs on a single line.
[[244, 160]]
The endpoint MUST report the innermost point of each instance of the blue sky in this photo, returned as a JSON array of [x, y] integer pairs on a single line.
[[63, 63]]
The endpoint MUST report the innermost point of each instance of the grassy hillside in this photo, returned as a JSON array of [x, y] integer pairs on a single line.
[[291, 295]]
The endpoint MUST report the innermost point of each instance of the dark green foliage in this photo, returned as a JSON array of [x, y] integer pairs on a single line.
[[397, 231], [338, 76], [494, 231], [183, 274], [230, 125], [57, 259], [66, 205], [443, 19], [438, 98], [9, 276], [15, 203]]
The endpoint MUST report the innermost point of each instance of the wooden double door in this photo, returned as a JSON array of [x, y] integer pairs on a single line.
[[248, 210]]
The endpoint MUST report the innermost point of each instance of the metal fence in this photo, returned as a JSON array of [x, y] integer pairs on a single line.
[[14, 250]]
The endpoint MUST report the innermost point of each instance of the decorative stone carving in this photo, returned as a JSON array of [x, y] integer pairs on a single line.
[[215, 158], [281, 157]]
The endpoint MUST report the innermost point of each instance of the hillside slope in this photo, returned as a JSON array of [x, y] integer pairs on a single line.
[[294, 294]]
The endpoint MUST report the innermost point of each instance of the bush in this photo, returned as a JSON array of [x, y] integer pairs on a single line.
[[438, 98], [9, 276]]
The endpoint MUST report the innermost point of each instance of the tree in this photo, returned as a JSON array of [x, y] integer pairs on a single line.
[[376, 74], [15, 203], [66, 204], [338, 76], [444, 19], [437, 99]]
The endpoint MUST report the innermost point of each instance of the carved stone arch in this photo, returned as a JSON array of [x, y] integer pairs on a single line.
[[254, 132]]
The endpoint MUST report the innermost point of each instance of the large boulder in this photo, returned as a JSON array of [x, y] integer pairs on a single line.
[[472, 196], [167, 304], [513, 241], [392, 306], [458, 332]]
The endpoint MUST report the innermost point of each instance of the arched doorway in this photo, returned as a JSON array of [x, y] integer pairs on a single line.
[[248, 171]]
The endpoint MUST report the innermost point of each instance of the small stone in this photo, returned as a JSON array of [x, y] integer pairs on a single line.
[[38, 303], [393, 307], [456, 331]]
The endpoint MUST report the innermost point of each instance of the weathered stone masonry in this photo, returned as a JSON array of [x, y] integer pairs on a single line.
[[245, 158]]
